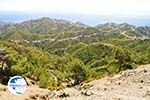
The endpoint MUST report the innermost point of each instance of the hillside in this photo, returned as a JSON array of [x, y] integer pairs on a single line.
[[56, 54], [46, 24], [58, 29], [127, 85]]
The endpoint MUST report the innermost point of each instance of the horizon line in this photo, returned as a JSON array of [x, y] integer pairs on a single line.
[[90, 20]]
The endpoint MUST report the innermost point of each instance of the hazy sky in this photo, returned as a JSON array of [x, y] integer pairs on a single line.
[[129, 9], [100, 7]]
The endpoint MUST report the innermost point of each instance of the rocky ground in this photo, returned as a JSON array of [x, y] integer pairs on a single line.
[[127, 85], [32, 93]]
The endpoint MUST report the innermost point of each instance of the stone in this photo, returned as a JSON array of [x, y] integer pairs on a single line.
[[33, 97], [43, 97], [147, 94], [61, 94], [87, 93]]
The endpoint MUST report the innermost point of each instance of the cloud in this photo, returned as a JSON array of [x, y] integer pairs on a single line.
[[119, 8]]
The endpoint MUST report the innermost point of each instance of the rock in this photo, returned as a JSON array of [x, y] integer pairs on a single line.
[[85, 86], [61, 94], [51, 95], [128, 73], [87, 93], [46, 95], [112, 88], [68, 83], [32, 97], [141, 81], [145, 71], [36, 95], [65, 84], [29, 82], [119, 83], [71, 83], [147, 94], [105, 89], [43, 97]]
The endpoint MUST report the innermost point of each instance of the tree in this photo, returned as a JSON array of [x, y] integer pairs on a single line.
[[123, 57], [76, 70]]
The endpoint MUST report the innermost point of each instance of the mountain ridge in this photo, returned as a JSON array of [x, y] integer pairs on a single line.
[[46, 28]]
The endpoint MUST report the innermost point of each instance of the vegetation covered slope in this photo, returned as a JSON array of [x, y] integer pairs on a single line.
[[72, 53]]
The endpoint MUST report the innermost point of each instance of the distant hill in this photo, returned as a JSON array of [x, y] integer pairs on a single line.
[[58, 28], [46, 24], [141, 32]]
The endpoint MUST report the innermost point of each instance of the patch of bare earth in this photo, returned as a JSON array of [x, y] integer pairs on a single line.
[[127, 85], [32, 93]]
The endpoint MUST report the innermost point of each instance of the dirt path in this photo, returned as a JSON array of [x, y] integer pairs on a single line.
[[124, 33]]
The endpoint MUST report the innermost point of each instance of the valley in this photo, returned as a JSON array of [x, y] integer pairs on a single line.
[[56, 54]]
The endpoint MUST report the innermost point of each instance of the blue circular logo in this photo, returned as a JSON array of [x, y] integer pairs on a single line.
[[17, 85]]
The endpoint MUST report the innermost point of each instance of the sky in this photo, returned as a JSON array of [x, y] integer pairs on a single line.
[[87, 11]]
